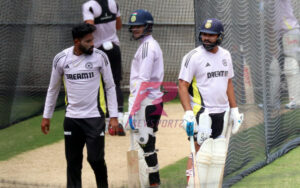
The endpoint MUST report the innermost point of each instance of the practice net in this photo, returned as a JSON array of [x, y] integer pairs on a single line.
[[261, 85]]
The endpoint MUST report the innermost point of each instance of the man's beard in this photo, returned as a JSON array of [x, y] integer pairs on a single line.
[[209, 46], [86, 51]]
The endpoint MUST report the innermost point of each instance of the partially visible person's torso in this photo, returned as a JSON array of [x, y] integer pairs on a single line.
[[104, 18], [285, 18]]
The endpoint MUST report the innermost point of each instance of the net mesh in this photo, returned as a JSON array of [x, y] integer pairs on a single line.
[[260, 83], [34, 32], [39, 30]]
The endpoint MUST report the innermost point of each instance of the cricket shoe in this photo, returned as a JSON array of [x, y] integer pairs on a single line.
[[276, 106], [291, 105]]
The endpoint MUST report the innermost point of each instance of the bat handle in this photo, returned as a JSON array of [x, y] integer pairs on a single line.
[[130, 121], [193, 150], [131, 140], [228, 133]]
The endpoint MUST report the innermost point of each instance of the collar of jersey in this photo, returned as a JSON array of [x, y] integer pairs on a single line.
[[144, 39]]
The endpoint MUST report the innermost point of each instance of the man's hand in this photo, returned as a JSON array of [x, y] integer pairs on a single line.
[[113, 126], [236, 118], [45, 125], [189, 122]]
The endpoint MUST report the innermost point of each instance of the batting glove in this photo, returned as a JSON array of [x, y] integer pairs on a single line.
[[131, 122], [189, 122], [236, 118]]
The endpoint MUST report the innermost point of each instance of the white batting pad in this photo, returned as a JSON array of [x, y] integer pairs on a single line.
[[215, 172], [203, 161]]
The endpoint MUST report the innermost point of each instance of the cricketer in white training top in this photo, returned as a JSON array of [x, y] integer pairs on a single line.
[[147, 66], [206, 93], [81, 76], [208, 78]]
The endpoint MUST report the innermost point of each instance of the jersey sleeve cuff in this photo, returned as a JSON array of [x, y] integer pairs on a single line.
[[113, 115], [184, 79], [47, 116]]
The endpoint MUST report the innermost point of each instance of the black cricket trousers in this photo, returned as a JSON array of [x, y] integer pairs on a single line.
[[78, 132]]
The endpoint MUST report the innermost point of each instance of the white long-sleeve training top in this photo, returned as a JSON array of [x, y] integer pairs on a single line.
[[147, 66], [82, 77]]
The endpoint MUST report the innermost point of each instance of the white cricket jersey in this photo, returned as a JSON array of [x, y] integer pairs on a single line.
[[105, 31], [146, 66], [82, 79], [208, 75], [285, 18]]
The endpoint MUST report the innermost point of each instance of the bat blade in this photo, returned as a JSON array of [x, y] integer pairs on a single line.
[[248, 85], [228, 135], [196, 183], [133, 169], [247, 80], [133, 165]]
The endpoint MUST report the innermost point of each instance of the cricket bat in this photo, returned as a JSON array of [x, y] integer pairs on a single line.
[[195, 183], [227, 137], [249, 93], [133, 164]]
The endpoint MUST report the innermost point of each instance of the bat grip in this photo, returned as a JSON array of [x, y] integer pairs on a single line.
[[193, 150], [131, 141], [228, 133], [130, 121]]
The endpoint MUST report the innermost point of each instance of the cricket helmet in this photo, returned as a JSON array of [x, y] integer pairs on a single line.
[[212, 26], [141, 17]]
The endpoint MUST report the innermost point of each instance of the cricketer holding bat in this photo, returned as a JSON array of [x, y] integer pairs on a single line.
[[206, 89], [146, 67], [81, 67]]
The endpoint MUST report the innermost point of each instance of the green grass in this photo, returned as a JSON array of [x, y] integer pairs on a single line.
[[27, 135], [283, 172], [174, 175]]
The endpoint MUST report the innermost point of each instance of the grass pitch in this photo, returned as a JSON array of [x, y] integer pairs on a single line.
[[283, 172], [27, 135]]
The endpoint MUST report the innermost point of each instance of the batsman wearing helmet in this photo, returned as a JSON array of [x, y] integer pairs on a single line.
[[206, 94], [146, 68]]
